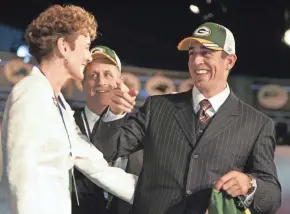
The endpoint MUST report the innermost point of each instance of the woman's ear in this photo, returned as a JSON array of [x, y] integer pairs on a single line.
[[62, 47]]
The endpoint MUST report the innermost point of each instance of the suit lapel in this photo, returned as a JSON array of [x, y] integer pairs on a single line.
[[223, 119], [185, 116]]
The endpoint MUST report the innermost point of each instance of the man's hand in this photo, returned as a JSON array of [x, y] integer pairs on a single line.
[[234, 183], [123, 99]]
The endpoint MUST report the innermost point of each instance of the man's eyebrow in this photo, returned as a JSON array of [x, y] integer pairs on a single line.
[[108, 71], [94, 72]]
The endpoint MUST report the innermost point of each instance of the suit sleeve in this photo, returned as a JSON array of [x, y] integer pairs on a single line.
[[1, 160], [267, 198], [1, 155], [90, 161], [31, 173], [125, 135]]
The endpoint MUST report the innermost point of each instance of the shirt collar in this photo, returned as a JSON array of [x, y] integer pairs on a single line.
[[215, 101], [91, 116]]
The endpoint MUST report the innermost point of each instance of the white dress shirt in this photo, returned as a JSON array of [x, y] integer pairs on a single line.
[[92, 119], [215, 101]]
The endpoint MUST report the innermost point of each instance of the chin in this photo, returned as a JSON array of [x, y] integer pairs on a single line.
[[78, 76], [104, 101], [201, 85]]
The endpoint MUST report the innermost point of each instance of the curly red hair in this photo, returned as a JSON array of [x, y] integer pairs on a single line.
[[57, 21]]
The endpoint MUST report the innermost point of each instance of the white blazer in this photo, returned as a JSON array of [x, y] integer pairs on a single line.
[[37, 156]]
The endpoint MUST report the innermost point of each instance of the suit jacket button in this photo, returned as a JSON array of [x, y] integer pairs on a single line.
[[188, 192], [195, 156]]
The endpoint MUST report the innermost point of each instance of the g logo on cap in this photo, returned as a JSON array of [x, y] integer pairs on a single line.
[[202, 31]]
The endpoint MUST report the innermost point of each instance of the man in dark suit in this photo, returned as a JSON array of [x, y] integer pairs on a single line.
[[100, 77], [199, 139]]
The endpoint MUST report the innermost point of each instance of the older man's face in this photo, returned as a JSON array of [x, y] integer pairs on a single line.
[[100, 78]]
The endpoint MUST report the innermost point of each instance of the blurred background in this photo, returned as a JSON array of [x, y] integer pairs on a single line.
[[145, 35]]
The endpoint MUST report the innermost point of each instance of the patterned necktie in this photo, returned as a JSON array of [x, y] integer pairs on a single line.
[[203, 117]]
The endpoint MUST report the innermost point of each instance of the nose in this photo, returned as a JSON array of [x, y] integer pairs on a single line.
[[197, 59], [101, 80]]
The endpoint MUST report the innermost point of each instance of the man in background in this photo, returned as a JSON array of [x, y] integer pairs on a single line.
[[101, 76]]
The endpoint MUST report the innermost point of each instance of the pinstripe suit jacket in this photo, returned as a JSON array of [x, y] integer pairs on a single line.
[[179, 169]]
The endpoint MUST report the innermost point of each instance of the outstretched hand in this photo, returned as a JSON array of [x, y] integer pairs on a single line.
[[123, 99]]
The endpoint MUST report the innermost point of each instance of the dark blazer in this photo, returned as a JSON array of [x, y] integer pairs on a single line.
[[179, 169], [134, 166], [91, 197]]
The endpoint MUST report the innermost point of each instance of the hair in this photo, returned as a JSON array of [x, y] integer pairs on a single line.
[[58, 21], [224, 54]]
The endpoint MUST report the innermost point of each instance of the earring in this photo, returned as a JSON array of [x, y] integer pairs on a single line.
[[65, 60]]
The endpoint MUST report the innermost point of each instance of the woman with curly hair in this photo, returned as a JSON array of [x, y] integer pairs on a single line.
[[40, 139]]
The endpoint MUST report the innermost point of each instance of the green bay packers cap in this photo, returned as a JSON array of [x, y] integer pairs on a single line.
[[213, 36], [107, 53]]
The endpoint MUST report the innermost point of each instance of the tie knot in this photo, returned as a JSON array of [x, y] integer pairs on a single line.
[[205, 104]]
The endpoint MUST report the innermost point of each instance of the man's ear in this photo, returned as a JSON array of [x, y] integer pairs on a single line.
[[231, 60]]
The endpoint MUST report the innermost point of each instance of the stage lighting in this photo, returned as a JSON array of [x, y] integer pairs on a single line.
[[20, 48], [194, 9], [286, 38], [22, 51]]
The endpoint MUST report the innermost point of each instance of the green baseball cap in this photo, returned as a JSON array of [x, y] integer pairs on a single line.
[[213, 36], [107, 53]]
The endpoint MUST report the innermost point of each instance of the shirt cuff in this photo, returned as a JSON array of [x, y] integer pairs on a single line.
[[248, 198], [110, 116]]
